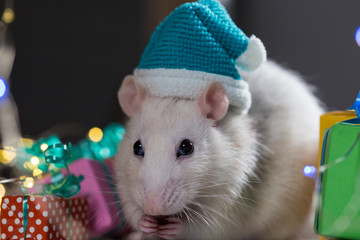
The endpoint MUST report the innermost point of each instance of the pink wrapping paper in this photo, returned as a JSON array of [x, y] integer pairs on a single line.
[[105, 213]]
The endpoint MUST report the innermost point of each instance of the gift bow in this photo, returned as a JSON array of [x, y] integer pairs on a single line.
[[356, 106], [59, 155], [69, 185]]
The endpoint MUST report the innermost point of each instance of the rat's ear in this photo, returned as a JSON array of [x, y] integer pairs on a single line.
[[131, 95], [213, 102]]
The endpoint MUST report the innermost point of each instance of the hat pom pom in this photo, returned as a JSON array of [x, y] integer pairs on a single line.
[[253, 57]]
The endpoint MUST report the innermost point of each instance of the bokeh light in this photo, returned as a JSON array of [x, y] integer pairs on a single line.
[[35, 160], [37, 172], [2, 191], [43, 147], [29, 165], [7, 154], [8, 15], [29, 182], [310, 171], [95, 134], [26, 142], [357, 36], [3, 87]]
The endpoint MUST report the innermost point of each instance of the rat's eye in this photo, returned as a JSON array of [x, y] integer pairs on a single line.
[[138, 149], [186, 147]]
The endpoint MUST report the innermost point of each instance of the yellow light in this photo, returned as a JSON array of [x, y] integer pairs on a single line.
[[7, 154], [8, 15], [29, 182], [35, 160], [95, 134], [2, 191], [37, 172], [26, 142], [43, 147], [29, 165]]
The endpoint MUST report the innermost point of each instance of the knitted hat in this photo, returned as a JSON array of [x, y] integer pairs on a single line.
[[198, 44]]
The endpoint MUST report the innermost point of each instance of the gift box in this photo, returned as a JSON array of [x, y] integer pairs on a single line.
[[330, 118], [338, 207], [105, 213], [43, 218]]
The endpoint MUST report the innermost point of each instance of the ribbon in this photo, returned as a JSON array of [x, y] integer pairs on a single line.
[[25, 214], [356, 106], [59, 154], [105, 148], [69, 222]]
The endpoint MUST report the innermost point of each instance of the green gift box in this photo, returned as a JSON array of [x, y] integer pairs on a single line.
[[338, 202]]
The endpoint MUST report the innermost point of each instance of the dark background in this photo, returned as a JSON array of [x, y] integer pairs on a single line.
[[72, 55]]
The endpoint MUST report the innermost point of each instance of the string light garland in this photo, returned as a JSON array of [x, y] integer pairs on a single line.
[[64, 186], [50, 156], [312, 171]]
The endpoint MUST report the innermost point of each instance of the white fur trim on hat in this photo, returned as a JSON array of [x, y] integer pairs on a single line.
[[189, 84], [253, 57]]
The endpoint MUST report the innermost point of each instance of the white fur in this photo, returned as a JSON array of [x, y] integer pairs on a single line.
[[253, 57], [188, 84], [245, 175]]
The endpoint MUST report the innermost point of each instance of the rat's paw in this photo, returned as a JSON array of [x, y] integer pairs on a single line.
[[167, 228], [148, 225], [171, 229]]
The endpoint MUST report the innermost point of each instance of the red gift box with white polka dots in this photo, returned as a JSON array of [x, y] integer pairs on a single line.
[[43, 218]]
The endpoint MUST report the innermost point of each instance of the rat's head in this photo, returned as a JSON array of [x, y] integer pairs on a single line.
[[170, 153]]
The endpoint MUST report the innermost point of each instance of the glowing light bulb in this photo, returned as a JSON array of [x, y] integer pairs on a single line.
[[29, 182], [7, 154], [37, 172], [95, 134], [35, 160], [357, 36], [2, 191], [43, 147], [310, 171], [8, 15], [3, 87]]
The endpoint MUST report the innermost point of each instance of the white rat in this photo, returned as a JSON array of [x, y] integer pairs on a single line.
[[195, 169]]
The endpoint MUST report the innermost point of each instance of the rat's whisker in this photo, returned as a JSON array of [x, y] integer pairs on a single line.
[[200, 216], [211, 210]]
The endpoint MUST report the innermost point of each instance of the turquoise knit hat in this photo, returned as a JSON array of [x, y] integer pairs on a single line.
[[195, 45]]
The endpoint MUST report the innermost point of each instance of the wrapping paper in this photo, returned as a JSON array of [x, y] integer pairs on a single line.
[[338, 208], [43, 217], [105, 213]]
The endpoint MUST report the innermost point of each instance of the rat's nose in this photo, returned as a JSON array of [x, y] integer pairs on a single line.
[[154, 203], [159, 198]]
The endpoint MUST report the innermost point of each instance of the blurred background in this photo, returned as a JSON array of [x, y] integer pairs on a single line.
[[71, 56]]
